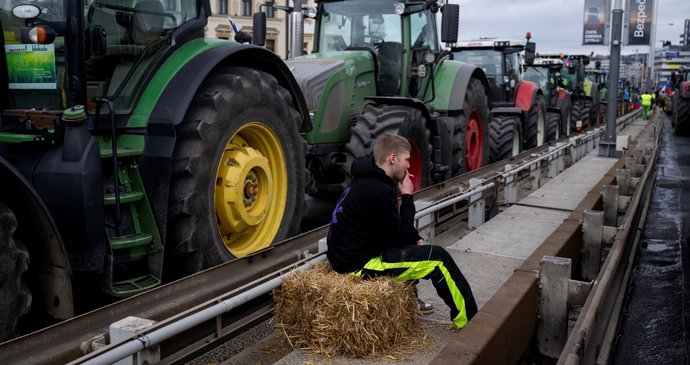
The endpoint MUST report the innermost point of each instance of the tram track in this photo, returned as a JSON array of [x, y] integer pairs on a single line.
[[72, 339]]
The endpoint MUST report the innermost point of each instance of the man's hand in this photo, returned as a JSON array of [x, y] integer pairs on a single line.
[[406, 186], [421, 242]]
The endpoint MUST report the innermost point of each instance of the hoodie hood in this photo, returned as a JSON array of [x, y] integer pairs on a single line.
[[365, 167]]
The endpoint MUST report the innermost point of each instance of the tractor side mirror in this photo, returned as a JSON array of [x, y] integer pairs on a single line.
[[450, 17], [259, 28], [530, 51]]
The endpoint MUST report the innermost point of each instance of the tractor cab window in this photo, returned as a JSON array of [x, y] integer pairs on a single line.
[[488, 60], [366, 25], [513, 67], [123, 40], [358, 23], [538, 76], [422, 33]]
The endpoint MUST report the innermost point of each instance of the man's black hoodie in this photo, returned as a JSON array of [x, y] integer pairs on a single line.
[[366, 220]]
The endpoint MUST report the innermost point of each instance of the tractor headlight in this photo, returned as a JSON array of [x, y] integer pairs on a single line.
[[429, 58], [26, 11], [399, 8], [311, 13]]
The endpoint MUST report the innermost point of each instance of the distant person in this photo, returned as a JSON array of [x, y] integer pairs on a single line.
[[371, 236], [646, 101]]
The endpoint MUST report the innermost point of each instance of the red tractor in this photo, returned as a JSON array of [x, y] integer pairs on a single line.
[[518, 116]]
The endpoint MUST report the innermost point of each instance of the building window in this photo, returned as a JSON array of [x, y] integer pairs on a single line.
[[222, 6], [246, 8], [269, 8], [271, 45]]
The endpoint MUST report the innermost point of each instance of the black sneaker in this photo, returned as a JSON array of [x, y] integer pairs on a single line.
[[424, 308]]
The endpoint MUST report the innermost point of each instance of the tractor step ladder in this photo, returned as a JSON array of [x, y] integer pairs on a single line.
[[137, 245]]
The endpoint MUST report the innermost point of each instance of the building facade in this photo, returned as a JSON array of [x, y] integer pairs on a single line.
[[668, 59], [241, 12]]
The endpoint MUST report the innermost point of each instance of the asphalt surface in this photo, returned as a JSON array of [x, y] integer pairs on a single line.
[[656, 314]]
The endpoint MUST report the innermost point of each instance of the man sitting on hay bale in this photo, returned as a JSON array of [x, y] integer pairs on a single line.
[[369, 236]]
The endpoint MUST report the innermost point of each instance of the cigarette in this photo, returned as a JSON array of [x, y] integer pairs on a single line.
[[410, 174]]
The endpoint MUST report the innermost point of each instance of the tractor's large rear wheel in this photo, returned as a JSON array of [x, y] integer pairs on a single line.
[[553, 128], [404, 121], [682, 117], [580, 113], [15, 297], [470, 132], [237, 179], [505, 137], [535, 129], [566, 108]]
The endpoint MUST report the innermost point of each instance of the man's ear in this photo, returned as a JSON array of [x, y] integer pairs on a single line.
[[391, 158]]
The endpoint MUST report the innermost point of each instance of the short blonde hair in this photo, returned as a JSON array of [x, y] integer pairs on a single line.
[[387, 144]]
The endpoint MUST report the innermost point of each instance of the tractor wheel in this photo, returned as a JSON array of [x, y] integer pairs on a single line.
[[535, 129], [237, 181], [470, 132], [553, 129], [505, 137], [682, 116], [15, 297], [580, 112], [404, 121], [566, 117], [591, 115]]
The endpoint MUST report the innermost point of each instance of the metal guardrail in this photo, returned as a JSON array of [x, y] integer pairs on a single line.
[[585, 341], [575, 148]]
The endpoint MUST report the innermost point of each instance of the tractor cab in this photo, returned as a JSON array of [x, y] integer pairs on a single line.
[[500, 60], [574, 74], [113, 45], [547, 74]]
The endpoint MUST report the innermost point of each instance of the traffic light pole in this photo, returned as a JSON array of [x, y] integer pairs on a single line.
[[607, 147]]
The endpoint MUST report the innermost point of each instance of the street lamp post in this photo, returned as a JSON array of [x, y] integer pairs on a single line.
[[651, 84]]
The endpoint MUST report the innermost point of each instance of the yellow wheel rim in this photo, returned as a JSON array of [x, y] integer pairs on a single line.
[[251, 189]]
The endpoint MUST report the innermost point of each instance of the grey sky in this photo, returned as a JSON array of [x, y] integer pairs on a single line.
[[556, 25]]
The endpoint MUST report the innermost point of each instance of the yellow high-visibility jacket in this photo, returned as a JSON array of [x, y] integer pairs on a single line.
[[646, 100]]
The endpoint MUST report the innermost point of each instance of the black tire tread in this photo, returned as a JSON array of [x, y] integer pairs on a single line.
[[531, 130], [15, 297], [501, 136], [376, 120], [553, 122], [475, 97], [223, 101]]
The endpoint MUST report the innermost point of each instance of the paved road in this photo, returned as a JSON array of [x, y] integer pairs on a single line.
[[656, 319]]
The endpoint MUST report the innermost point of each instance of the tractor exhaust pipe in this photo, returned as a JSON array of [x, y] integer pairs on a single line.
[[296, 30]]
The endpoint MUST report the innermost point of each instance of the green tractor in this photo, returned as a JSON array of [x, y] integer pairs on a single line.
[[585, 108], [377, 67], [546, 73], [598, 78], [134, 151]]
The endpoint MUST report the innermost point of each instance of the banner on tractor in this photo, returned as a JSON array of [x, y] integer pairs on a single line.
[[640, 13], [31, 66], [594, 29]]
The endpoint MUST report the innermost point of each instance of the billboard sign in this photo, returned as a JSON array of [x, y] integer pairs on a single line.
[[595, 16], [640, 13]]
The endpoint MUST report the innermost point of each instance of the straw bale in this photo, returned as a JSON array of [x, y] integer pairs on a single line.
[[337, 314]]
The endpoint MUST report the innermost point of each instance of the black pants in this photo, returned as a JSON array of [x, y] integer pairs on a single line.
[[427, 262]]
